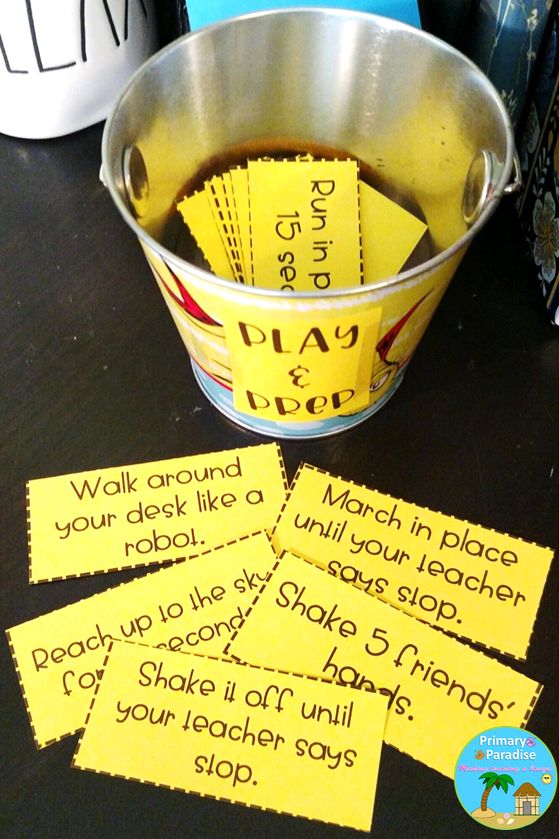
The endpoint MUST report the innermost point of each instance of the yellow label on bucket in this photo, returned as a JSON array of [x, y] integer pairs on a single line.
[[300, 366], [304, 217]]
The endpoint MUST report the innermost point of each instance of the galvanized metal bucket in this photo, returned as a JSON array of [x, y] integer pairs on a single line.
[[396, 98]]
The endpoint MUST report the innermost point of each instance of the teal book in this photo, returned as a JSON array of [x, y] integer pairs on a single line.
[[203, 12]]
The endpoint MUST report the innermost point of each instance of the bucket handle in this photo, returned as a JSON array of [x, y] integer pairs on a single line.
[[478, 190], [516, 183]]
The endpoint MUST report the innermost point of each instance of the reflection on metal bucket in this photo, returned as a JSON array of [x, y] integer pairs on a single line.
[[313, 363]]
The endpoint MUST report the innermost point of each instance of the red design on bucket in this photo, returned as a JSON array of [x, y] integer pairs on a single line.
[[186, 301], [385, 344]]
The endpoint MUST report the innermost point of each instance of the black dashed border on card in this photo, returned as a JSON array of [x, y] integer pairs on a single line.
[[227, 652], [161, 562], [234, 634], [234, 659], [516, 657], [304, 466], [301, 676], [28, 526], [288, 491], [40, 744]]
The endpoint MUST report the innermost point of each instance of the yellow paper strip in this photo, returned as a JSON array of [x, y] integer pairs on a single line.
[[461, 577], [194, 605], [197, 213], [239, 187], [441, 692], [128, 516], [388, 234], [246, 735], [233, 204], [221, 203], [304, 217]]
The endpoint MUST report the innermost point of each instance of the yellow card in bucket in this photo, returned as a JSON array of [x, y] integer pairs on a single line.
[[300, 224], [198, 215], [220, 198], [389, 234], [304, 217], [239, 188]]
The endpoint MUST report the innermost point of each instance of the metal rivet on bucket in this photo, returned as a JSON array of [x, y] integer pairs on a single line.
[[135, 180], [478, 186]]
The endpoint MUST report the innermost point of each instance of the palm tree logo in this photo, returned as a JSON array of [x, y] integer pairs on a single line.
[[491, 780]]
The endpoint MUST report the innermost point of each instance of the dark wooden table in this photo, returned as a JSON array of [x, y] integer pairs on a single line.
[[94, 375]]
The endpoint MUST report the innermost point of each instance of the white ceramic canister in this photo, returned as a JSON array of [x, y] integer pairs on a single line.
[[62, 62]]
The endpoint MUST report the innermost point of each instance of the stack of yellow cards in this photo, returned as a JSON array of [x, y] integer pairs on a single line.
[[293, 631], [299, 225]]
